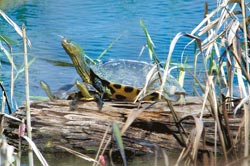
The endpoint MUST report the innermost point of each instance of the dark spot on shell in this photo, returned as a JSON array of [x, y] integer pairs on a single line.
[[138, 91], [128, 89], [120, 97], [111, 90], [117, 86]]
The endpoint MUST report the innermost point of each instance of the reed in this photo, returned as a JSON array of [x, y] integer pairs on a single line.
[[28, 117], [221, 41], [7, 154]]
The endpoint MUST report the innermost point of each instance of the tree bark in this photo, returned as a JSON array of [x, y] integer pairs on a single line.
[[81, 126]]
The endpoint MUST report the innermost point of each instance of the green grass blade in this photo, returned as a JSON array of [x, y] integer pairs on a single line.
[[7, 40], [8, 55], [84, 55], [118, 138], [98, 59], [14, 25], [39, 98], [22, 68], [150, 44]]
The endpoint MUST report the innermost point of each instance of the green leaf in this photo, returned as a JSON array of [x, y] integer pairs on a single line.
[[106, 50], [118, 138], [8, 55], [39, 98], [150, 43], [22, 68], [8, 40]]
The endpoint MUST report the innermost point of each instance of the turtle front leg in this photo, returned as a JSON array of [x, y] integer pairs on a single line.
[[86, 96]]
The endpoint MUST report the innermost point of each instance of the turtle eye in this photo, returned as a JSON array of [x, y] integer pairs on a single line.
[[65, 40], [68, 40]]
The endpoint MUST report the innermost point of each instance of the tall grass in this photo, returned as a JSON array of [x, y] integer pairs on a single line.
[[7, 154], [221, 41], [222, 38]]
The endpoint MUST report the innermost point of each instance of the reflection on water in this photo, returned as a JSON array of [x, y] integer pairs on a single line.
[[66, 159]]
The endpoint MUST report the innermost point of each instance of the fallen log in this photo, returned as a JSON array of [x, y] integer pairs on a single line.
[[81, 127]]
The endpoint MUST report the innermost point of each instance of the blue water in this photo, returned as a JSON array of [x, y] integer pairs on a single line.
[[94, 24]]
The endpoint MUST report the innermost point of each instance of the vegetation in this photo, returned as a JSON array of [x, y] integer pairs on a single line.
[[8, 156], [221, 40]]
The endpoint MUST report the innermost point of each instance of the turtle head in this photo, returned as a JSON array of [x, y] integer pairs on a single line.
[[71, 48], [75, 52]]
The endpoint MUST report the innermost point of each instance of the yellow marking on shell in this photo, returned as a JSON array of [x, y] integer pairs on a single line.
[[120, 93], [128, 93]]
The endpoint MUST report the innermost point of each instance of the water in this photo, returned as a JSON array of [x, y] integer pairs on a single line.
[[94, 24], [66, 159]]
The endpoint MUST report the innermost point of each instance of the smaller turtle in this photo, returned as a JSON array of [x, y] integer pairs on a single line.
[[66, 92], [75, 92]]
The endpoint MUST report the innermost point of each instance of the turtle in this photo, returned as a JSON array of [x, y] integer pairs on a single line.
[[120, 80], [66, 92], [73, 91], [69, 91]]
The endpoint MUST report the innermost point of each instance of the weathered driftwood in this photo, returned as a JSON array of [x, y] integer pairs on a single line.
[[82, 128]]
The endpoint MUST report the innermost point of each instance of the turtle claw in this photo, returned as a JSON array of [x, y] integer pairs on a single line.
[[96, 98], [99, 101]]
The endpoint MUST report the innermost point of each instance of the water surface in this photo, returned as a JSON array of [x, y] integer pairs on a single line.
[[94, 25]]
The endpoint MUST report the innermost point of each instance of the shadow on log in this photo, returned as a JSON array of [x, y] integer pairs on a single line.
[[82, 128]]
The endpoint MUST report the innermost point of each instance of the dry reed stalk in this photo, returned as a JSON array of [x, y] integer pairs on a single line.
[[166, 158], [85, 157], [3, 102], [223, 40], [28, 117], [101, 145], [12, 81], [246, 106], [2, 113]]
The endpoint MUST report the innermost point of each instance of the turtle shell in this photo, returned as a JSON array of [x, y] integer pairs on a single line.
[[133, 73], [65, 91]]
